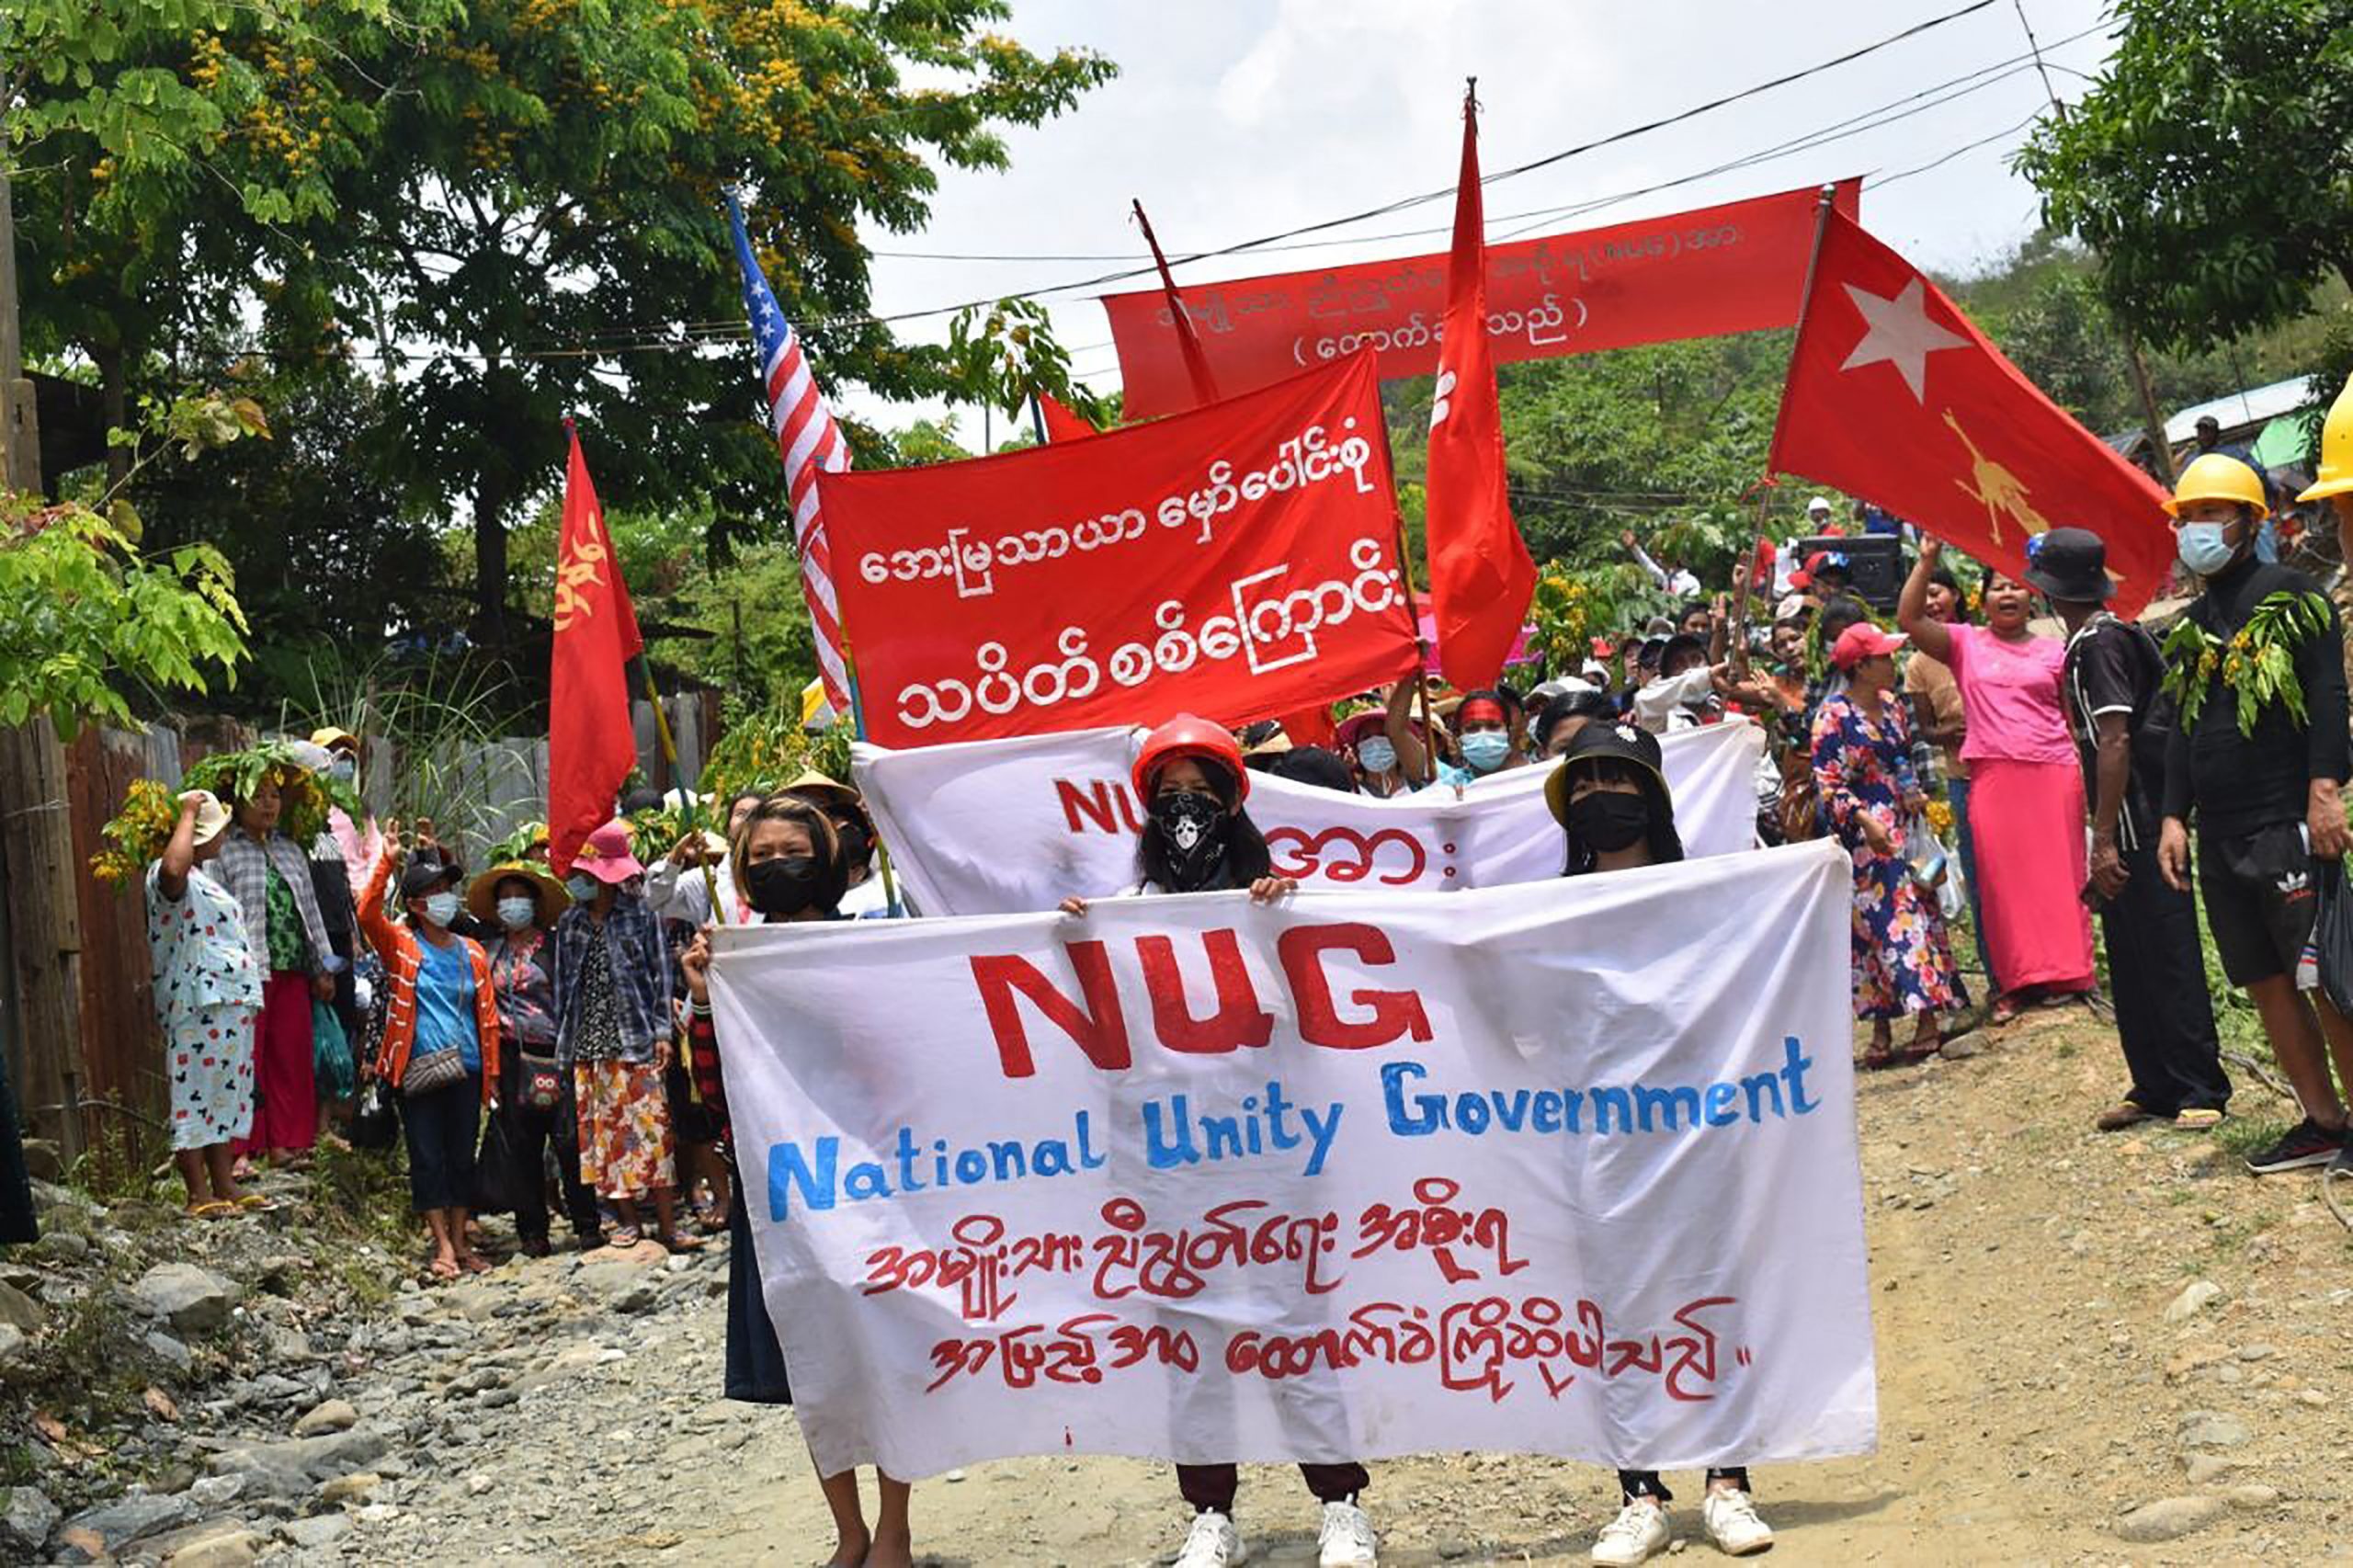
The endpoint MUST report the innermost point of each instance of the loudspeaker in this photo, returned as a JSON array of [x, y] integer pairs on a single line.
[[1874, 564]]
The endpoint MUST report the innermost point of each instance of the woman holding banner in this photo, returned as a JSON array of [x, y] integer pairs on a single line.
[[1611, 797], [787, 865], [1198, 838]]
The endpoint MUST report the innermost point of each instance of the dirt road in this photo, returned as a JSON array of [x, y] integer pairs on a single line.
[[2032, 1388]]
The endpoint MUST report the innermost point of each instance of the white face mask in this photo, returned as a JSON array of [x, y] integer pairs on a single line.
[[516, 913], [441, 907], [583, 887], [1377, 754]]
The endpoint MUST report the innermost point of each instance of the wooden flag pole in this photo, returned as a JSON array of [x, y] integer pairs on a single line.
[[858, 728]]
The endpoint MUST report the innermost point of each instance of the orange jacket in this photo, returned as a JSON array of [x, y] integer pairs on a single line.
[[397, 946]]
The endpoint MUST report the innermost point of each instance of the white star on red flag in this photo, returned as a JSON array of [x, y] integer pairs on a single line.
[[1901, 334]]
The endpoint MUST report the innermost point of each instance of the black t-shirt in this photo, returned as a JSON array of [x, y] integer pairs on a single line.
[[2238, 784], [2115, 667]]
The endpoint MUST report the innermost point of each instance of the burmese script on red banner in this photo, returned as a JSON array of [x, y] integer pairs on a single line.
[[1240, 562]]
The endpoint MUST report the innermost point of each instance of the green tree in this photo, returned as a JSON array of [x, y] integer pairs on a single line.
[[539, 229], [2209, 169], [91, 618], [150, 171]]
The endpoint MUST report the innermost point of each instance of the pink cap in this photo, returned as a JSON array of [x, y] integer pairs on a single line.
[[607, 855], [1863, 640]]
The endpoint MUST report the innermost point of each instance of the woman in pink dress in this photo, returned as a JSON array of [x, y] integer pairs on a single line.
[[2025, 790]]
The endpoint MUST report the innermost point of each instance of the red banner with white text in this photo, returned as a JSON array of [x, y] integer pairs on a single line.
[[1736, 268], [1238, 561]]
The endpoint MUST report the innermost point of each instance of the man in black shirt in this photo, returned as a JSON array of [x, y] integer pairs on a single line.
[[2267, 799], [2120, 720]]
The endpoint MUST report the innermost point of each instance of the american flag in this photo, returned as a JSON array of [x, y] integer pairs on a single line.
[[811, 444]]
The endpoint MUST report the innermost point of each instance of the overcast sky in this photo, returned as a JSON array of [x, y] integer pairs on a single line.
[[1233, 118]]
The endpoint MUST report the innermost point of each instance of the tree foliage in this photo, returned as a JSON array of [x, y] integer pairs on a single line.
[[2209, 169], [512, 204]]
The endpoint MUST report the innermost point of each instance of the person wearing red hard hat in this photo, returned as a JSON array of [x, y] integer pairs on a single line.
[[1198, 838], [2026, 789], [1872, 800]]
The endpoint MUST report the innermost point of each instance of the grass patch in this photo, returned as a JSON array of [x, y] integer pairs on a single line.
[[2243, 1135]]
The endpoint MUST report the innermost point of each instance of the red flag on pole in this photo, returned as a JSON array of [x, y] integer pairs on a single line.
[[1481, 577], [1063, 423], [1894, 396], [592, 745], [1188, 342]]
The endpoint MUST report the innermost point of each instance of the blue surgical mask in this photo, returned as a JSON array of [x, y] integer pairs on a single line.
[[1486, 750], [516, 913], [2202, 546], [344, 769], [1376, 754], [2267, 544], [441, 907], [581, 886]]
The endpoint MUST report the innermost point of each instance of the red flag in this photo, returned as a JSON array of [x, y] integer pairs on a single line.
[[1481, 577], [1189, 341], [1063, 423], [1894, 396], [1311, 727], [592, 745]]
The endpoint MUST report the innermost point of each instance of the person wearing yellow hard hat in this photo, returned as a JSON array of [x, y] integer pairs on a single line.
[[2334, 485], [2263, 789]]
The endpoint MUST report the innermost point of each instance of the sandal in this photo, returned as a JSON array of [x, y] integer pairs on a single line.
[[678, 1244], [442, 1269], [255, 1203], [2121, 1115], [2006, 1009], [623, 1236], [216, 1209], [1877, 1057], [1920, 1049], [473, 1263], [2199, 1119]]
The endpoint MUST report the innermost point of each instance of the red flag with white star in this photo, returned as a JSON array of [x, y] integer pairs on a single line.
[[1894, 396]]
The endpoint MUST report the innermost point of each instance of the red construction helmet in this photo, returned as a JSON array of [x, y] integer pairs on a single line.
[[1188, 735]]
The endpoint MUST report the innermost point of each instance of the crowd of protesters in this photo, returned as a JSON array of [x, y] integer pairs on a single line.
[[550, 1037]]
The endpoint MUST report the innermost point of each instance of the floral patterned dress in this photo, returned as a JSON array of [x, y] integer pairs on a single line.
[[207, 992], [1902, 960]]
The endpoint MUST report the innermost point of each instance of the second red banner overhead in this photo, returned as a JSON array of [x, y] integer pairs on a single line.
[[1238, 561], [1736, 268]]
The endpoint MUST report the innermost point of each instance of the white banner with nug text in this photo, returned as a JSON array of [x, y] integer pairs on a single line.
[[1014, 827], [1565, 1168]]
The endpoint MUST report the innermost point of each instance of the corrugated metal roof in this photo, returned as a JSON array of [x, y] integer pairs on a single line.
[[2240, 410]]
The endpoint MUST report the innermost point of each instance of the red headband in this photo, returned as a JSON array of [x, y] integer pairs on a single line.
[[1478, 709]]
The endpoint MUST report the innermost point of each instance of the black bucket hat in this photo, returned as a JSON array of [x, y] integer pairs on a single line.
[[2070, 564]]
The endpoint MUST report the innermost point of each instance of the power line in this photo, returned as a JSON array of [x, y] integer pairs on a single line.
[[1264, 241]]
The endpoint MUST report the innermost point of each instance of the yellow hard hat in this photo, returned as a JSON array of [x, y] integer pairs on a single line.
[[2335, 450], [2218, 478]]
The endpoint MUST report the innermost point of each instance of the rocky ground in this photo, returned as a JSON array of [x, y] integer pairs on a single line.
[[2091, 1348]]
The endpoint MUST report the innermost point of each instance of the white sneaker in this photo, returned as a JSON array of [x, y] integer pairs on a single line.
[[1347, 1539], [1733, 1525], [1213, 1544], [1639, 1530]]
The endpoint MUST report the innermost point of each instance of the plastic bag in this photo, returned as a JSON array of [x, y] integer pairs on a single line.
[[2333, 935], [1932, 867], [376, 1119], [331, 1053]]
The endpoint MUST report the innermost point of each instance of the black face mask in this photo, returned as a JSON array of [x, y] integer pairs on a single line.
[[1608, 820], [858, 845], [1192, 826], [785, 885]]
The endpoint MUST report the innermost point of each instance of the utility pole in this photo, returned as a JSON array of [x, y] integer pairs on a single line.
[[19, 428], [38, 864]]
